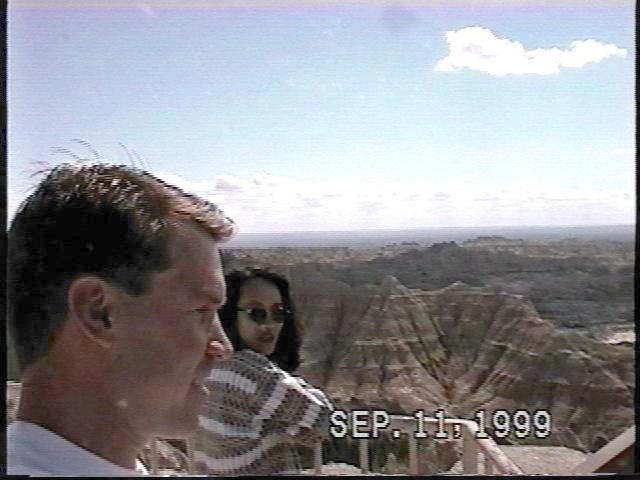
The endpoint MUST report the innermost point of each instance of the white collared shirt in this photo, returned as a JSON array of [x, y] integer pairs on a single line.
[[34, 450]]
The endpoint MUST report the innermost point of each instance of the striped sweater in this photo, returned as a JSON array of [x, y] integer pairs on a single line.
[[255, 415]]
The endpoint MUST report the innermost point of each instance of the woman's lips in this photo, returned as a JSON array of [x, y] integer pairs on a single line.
[[266, 338]]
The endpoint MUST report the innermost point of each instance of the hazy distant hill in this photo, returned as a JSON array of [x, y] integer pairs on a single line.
[[378, 238], [579, 284]]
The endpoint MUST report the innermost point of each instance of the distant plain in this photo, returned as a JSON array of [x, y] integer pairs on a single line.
[[371, 238]]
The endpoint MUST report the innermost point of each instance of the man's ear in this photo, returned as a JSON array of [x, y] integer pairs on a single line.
[[88, 306]]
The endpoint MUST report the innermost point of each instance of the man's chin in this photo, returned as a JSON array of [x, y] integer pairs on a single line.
[[185, 427], [186, 420], [198, 389]]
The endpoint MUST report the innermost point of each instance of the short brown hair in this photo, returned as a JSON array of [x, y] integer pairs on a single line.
[[111, 221]]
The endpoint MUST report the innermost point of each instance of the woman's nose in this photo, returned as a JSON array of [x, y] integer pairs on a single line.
[[268, 327]]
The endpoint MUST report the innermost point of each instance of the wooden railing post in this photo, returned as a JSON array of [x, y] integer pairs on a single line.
[[190, 456], [493, 460], [364, 455], [612, 449], [413, 455], [317, 458], [488, 465], [469, 452], [154, 456]]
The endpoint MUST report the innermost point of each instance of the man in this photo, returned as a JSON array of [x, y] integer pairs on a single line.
[[114, 284]]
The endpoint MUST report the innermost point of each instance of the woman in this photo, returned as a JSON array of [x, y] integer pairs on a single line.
[[257, 411]]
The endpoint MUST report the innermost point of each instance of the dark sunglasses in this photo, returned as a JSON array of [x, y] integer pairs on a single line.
[[259, 315]]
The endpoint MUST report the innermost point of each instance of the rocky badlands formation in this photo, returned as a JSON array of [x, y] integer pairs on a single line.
[[395, 328], [463, 349]]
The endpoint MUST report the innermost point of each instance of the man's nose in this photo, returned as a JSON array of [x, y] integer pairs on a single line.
[[219, 346]]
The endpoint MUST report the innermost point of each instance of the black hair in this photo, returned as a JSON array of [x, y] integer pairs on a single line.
[[111, 221], [287, 350]]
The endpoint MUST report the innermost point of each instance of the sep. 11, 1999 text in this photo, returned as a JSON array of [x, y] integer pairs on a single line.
[[500, 423]]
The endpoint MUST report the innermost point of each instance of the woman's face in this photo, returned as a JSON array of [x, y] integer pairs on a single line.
[[259, 294]]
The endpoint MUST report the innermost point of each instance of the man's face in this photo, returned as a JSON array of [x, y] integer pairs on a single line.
[[159, 354]]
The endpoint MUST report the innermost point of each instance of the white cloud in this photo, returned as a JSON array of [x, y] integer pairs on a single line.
[[183, 183], [624, 152], [439, 197], [268, 203], [231, 185], [147, 9], [478, 48], [314, 205]]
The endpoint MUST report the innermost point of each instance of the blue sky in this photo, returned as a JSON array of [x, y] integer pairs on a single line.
[[352, 115]]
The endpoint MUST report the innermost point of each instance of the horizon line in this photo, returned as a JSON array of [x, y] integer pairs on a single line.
[[370, 230]]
